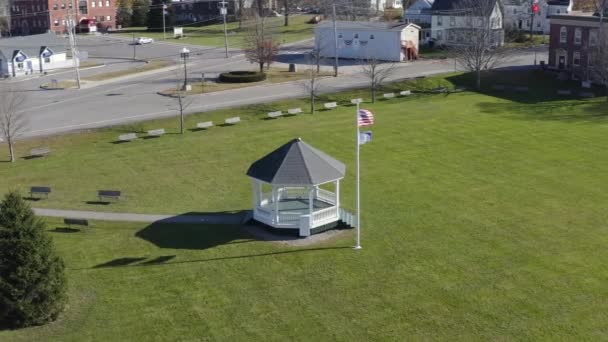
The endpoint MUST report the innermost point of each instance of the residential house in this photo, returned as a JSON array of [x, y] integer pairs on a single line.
[[32, 54], [419, 13], [518, 14], [366, 40], [573, 40], [40, 16], [4, 17], [201, 11], [451, 20]]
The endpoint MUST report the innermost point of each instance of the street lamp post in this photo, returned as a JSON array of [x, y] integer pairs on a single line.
[[185, 54]]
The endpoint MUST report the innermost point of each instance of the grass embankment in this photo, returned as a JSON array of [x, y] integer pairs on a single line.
[[213, 35], [483, 219], [153, 65], [275, 75]]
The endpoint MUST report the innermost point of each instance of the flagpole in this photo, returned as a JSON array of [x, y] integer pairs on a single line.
[[358, 245]]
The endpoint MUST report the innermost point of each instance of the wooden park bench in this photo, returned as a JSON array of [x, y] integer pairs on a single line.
[[204, 125], [405, 93], [40, 152], [108, 194], [274, 115], [294, 111], [127, 137], [356, 101], [331, 105], [389, 96], [156, 132], [75, 222], [40, 191], [232, 121]]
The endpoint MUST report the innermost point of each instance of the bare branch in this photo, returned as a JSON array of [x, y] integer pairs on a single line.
[[377, 72]]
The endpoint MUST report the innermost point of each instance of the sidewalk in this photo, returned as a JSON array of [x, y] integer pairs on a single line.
[[220, 218]]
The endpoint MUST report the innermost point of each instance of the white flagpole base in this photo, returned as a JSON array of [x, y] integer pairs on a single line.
[[357, 247]]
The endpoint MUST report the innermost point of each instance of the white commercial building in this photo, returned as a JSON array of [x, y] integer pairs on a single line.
[[32, 54], [364, 40], [518, 14]]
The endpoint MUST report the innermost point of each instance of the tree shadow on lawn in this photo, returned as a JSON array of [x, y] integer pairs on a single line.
[[564, 111], [522, 85]]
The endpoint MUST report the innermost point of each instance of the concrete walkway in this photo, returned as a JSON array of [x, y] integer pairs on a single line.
[[220, 218]]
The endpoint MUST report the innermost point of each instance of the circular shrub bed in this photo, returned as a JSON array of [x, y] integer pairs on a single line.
[[242, 77]]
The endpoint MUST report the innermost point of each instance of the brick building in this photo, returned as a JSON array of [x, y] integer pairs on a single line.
[[40, 16], [573, 39]]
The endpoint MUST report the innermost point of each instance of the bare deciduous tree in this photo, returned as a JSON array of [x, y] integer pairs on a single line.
[[377, 72], [599, 56], [183, 102], [480, 40], [312, 84], [13, 120], [261, 47]]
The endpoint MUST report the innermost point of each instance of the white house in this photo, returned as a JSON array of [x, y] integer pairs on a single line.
[[32, 54], [518, 14], [363, 40], [451, 20], [419, 12]]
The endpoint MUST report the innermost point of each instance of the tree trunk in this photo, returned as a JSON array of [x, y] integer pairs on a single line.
[[261, 67], [478, 79], [373, 94], [11, 150], [312, 103], [286, 18]]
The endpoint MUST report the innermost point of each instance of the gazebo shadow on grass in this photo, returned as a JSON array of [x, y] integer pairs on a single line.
[[207, 230]]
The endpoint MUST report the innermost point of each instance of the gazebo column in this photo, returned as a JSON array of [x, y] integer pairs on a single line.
[[275, 196], [311, 204], [338, 197]]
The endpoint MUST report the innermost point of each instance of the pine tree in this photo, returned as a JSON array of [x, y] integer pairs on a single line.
[[32, 277], [140, 13], [155, 15]]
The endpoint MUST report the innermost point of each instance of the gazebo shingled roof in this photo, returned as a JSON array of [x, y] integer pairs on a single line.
[[297, 163]]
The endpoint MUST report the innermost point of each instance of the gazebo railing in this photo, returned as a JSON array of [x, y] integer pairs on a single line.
[[290, 219], [323, 215], [326, 196]]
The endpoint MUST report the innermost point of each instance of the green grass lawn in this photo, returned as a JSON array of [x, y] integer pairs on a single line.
[[484, 218], [213, 35]]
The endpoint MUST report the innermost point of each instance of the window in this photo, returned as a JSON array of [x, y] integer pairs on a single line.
[[538, 23], [20, 65], [101, 18], [593, 38], [55, 6], [452, 21], [558, 11], [480, 22], [107, 3], [371, 36], [62, 5], [47, 59], [356, 36], [515, 11], [440, 35], [451, 35], [590, 58], [563, 34], [93, 4], [108, 18], [439, 21], [578, 34], [100, 4], [63, 22], [576, 58]]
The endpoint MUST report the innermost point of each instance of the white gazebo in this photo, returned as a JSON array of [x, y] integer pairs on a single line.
[[296, 187]]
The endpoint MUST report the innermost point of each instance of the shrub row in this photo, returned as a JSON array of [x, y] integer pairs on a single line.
[[242, 77]]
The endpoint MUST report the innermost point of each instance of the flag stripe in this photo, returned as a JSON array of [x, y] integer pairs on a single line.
[[366, 118]]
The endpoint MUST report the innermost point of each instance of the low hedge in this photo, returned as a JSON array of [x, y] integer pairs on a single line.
[[242, 77]]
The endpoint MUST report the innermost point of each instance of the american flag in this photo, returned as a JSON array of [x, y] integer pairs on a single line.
[[366, 118]]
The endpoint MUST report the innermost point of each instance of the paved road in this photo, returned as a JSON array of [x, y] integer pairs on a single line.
[[135, 99]]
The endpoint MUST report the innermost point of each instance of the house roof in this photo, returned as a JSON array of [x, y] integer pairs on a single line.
[[297, 163], [452, 6], [31, 45], [366, 25]]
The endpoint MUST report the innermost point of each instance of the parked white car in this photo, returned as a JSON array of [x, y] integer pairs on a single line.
[[143, 40]]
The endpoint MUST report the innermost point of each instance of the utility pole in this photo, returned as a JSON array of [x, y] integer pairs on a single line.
[[134, 47], [185, 53], [335, 41], [71, 32], [224, 13], [164, 27]]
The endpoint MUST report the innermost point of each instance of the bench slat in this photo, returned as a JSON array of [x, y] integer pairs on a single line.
[[232, 121], [127, 137], [156, 132], [275, 114], [330, 105], [294, 111], [205, 124], [75, 222]]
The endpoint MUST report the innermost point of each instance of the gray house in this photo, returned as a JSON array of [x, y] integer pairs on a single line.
[[32, 54]]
